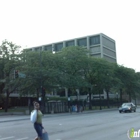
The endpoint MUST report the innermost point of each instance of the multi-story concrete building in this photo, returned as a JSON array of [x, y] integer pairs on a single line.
[[100, 46]]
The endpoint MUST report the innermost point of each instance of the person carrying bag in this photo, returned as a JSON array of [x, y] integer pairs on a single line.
[[36, 119]]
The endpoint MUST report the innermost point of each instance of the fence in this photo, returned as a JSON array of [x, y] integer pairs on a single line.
[[56, 107]]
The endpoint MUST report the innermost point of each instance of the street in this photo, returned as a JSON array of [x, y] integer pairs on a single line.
[[78, 126]]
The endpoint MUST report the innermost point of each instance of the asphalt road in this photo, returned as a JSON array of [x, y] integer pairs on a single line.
[[110, 125]]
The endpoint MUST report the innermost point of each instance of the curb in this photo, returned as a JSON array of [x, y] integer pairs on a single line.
[[27, 117], [12, 113]]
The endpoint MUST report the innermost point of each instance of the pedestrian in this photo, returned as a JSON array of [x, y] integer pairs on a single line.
[[38, 124]]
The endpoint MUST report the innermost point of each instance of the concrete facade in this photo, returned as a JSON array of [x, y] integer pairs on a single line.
[[99, 45]]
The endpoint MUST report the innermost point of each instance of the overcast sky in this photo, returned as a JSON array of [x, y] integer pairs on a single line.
[[37, 22]]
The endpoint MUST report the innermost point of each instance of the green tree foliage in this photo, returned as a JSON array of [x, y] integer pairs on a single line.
[[10, 60], [100, 75], [73, 59], [129, 81], [105, 73], [72, 68]]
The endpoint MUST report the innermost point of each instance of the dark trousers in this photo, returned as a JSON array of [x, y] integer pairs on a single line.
[[38, 127]]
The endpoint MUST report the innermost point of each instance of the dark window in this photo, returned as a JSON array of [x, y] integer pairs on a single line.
[[28, 50], [70, 43], [94, 40], [48, 48], [58, 47], [61, 92], [82, 42], [38, 49]]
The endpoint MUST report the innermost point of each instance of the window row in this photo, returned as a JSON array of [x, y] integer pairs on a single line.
[[93, 40]]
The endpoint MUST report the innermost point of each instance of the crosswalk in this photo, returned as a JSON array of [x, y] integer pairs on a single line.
[[13, 138]]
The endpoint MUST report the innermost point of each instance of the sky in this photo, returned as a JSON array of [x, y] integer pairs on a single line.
[[30, 23]]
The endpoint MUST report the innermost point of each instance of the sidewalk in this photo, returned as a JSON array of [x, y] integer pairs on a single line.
[[8, 117]]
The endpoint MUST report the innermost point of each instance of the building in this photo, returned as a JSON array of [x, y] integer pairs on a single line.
[[100, 46]]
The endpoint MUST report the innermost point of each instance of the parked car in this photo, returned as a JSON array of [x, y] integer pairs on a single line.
[[127, 107]]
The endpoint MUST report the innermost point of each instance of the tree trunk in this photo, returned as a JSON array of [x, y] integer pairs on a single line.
[[107, 92], [7, 101], [135, 99], [37, 90], [90, 105], [100, 99], [121, 96], [129, 96]]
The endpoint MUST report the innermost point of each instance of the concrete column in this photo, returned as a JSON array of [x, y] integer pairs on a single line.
[[53, 48], [64, 44], [43, 48], [75, 42], [101, 45], [88, 45]]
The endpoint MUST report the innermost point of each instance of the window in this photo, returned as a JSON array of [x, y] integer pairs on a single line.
[[28, 50], [58, 47], [48, 48], [70, 43], [94, 40], [82, 42], [38, 48]]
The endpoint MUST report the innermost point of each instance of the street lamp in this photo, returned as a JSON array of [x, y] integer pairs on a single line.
[[42, 90]]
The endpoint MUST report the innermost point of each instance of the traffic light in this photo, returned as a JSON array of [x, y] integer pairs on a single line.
[[16, 74]]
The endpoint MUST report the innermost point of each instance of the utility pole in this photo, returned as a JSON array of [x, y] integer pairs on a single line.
[[42, 90]]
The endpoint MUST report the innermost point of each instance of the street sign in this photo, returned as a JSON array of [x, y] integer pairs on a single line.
[[21, 75]]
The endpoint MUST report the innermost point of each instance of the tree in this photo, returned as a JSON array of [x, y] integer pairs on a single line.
[[137, 92], [108, 79], [120, 73], [73, 61], [10, 58], [128, 81], [1, 74], [89, 77], [102, 76], [41, 70]]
